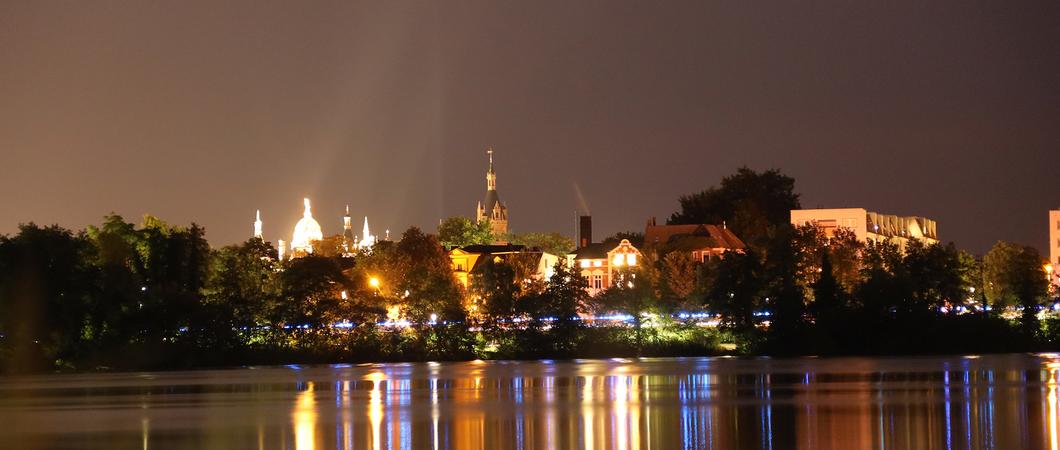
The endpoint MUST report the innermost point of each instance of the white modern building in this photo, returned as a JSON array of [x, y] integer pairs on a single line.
[[870, 227]]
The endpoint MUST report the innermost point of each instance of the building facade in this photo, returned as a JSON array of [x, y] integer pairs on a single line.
[[468, 259], [1054, 247], [869, 227], [597, 263], [492, 209]]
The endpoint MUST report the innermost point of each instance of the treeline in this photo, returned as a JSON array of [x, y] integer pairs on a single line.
[[122, 296], [148, 296]]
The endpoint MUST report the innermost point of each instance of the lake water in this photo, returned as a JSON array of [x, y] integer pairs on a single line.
[[1003, 401]]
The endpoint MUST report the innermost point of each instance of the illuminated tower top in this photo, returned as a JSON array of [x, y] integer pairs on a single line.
[[306, 231], [257, 225], [492, 209], [491, 177]]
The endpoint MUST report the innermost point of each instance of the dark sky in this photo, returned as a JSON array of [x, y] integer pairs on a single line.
[[195, 111]]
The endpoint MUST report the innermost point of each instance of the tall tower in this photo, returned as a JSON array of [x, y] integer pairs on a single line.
[[492, 209], [348, 240], [367, 240], [257, 225]]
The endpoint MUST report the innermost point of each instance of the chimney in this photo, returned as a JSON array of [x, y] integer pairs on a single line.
[[585, 231], [651, 221]]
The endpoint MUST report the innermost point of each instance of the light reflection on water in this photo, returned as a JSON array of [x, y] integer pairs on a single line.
[[1005, 401]]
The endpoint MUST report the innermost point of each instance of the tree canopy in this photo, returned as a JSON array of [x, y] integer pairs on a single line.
[[749, 202]]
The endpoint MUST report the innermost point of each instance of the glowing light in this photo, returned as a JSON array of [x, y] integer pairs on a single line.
[[631, 259], [598, 263], [585, 263], [306, 231], [434, 318], [393, 313], [373, 282]]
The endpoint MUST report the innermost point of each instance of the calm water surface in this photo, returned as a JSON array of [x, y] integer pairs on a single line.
[[1004, 402]]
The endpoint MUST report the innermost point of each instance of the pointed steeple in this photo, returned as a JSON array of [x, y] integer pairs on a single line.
[[491, 177], [257, 225], [365, 231], [492, 209]]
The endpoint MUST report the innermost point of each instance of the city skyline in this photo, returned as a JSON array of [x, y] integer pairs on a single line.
[[207, 114]]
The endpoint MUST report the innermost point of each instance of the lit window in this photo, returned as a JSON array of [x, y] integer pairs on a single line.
[[631, 259], [585, 263], [598, 263], [618, 260], [598, 281]]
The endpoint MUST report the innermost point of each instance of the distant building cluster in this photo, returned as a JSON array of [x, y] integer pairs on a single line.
[[308, 231], [599, 262]]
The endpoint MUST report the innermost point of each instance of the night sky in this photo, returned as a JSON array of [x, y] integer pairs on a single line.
[[194, 111]]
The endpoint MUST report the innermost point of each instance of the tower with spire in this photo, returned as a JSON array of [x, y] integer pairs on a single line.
[[492, 209], [349, 241]]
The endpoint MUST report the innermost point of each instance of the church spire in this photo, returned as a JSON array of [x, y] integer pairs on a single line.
[[491, 177], [257, 225]]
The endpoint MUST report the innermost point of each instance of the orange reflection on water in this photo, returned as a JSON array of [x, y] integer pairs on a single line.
[[305, 419], [375, 408], [1051, 382]]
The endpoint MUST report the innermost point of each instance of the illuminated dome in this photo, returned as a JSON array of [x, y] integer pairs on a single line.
[[306, 231]]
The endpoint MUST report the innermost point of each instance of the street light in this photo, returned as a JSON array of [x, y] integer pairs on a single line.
[[373, 282]]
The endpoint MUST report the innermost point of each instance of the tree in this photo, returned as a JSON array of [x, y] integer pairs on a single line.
[[460, 231], [425, 278], [786, 297], [46, 288], [176, 264], [937, 275], [829, 302], [244, 282], [632, 295], [679, 273], [563, 298], [634, 237], [736, 291], [312, 292], [498, 288], [329, 246], [1013, 275], [749, 202], [552, 243]]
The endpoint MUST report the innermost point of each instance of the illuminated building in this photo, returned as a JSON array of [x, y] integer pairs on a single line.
[[1054, 246], [492, 209], [306, 231], [702, 241], [869, 227], [598, 262], [467, 260]]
